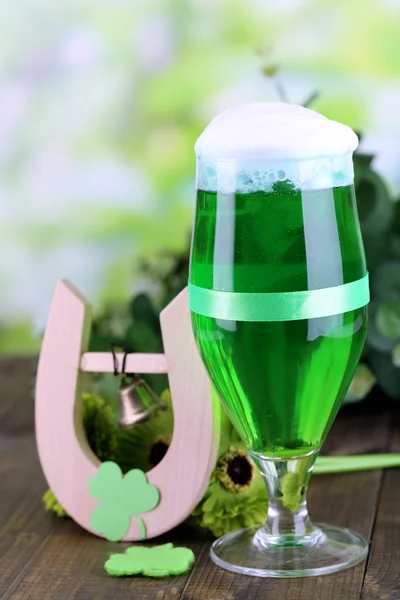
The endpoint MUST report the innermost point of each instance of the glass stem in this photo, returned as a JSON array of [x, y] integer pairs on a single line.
[[288, 522]]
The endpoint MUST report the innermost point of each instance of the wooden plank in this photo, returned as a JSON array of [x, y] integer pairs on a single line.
[[349, 500], [42, 557], [18, 460], [17, 376], [22, 518], [69, 564], [46, 558], [382, 580], [23, 522], [358, 428]]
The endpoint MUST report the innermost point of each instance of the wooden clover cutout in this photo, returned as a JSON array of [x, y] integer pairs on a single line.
[[122, 497]]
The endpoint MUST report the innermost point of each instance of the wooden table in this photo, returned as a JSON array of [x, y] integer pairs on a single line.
[[45, 558]]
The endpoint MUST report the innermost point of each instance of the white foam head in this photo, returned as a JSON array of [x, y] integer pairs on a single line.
[[261, 142]]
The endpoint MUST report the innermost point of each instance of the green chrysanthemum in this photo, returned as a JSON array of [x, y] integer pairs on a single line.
[[52, 504], [99, 422], [236, 496]]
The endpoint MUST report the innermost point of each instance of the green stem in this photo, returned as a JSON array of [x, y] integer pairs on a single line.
[[363, 462], [310, 99], [280, 89], [142, 527]]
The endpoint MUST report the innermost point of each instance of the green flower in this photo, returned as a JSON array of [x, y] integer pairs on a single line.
[[236, 496], [362, 383], [101, 429], [122, 497], [396, 355], [157, 561], [52, 504]]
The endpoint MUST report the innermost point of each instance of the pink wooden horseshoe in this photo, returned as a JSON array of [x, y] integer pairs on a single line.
[[67, 461]]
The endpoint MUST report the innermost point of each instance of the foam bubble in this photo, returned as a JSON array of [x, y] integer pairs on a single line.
[[249, 147]]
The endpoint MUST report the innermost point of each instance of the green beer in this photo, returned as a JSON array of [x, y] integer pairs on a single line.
[[278, 290], [281, 382]]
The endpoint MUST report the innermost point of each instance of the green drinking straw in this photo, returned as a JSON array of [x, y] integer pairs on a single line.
[[360, 462]]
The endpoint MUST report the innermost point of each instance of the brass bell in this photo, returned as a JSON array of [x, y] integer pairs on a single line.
[[137, 402]]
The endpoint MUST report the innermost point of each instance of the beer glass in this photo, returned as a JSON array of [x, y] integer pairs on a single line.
[[278, 289]]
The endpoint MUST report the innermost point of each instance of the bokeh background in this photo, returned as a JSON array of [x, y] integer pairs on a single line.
[[101, 102]]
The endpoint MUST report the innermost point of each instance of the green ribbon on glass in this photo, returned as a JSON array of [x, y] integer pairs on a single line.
[[279, 306]]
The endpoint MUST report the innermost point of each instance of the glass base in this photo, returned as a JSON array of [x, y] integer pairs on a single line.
[[327, 550]]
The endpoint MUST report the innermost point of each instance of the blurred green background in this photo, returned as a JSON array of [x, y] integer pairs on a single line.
[[100, 105]]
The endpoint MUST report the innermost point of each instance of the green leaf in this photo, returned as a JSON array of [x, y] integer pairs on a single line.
[[374, 204], [376, 211], [396, 355], [362, 383], [106, 386], [362, 160], [142, 309], [388, 319], [393, 242], [385, 283], [387, 374], [142, 338], [110, 327], [377, 249], [375, 339]]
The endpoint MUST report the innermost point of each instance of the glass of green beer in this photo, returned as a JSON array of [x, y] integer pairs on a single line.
[[278, 290]]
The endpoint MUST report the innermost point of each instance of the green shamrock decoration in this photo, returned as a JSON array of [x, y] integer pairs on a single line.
[[122, 497], [158, 561]]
